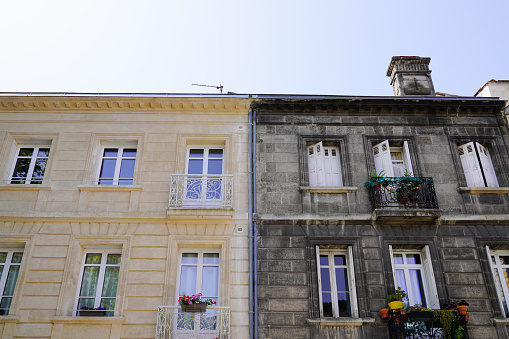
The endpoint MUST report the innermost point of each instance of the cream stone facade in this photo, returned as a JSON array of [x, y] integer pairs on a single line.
[[55, 223]]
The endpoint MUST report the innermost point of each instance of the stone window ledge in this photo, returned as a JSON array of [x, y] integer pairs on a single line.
[[500, 321], [484, 190], [110, 188], [329, 189], [340, 321], [87, 320], [9, 319], [214, 213], [24, 187]]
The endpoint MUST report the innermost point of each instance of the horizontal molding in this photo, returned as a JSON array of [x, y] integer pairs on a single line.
[[87, 320], [23, 187], [484, 190], [329, 189], [341, 321], [110, 188]]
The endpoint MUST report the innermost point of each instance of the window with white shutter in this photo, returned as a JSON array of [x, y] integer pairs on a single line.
[[324, 165], [499, 263], [477, 166], [393, 159]]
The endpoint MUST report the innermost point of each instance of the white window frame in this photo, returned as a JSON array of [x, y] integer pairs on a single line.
[[6, 268], [428, 278], [352, 291], [500, 278], [118, 163], [199, 275], [384, 162], [100, 280], [33, 160], [202, 198], [323, 166], [477, 165], [205, 157]]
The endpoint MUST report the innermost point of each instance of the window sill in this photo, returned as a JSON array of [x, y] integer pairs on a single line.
[[484, 190], [86, 320], [179, 212], [340, 321], [329, 189], [110, 188], [24, 187], [500, 321], [9, 319]]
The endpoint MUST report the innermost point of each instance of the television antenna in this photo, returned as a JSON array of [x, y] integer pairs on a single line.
[[220, 87]]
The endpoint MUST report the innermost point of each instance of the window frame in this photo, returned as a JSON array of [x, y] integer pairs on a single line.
[[505, 288], [487, 176], [33, 160], [118, 164], [383, 160], [5, 272], [427, 273], [324, 162], [100, 282], [352, 289], [206, 149]]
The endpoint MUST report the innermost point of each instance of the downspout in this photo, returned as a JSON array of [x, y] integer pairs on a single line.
[[255, 232], [250, 221]]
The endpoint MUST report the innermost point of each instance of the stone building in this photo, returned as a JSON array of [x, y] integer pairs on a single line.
[[496, 88], [330, 249], [122, 202]]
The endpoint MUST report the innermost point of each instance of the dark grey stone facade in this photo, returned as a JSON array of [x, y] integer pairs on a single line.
[[293, 219]]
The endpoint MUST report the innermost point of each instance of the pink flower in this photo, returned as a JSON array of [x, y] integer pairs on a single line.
[[190, 303]]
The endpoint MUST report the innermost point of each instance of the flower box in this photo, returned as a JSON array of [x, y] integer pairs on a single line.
[[194, 308], [92, 313], [420, 316]]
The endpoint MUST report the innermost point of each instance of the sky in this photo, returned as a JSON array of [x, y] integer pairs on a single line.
[[252, 47]]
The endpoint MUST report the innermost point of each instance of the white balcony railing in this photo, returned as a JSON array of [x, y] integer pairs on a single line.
[[201, 191], [172, 323]]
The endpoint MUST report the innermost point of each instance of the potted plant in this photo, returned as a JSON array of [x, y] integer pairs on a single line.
[[86, 311], [396, 299], [420, 314], [462, 307], [193, 303], [384, 313]]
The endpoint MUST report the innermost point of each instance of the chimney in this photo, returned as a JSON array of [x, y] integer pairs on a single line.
[[410, 75]]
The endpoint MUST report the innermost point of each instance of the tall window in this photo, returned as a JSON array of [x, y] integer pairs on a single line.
[[393, 158], [199, 273], [10, 262], [413, 272], [477, 165], [205, 167], [29, 165], [499, 262], [99, 280], [324, 165], [117, 166], [336, 283]]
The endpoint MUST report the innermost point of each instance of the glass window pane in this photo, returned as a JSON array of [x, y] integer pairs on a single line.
[[324, 260], [39, 168], [89, 283], [5, 304], [11, 281], [93, 258], [196, 153], [3, 257], [413, 259], [110, 281], [113, 259], [398, 258], [108, 168], [417, 287], [16, 258], [21, 168], [504, 259], [110, 152], [86, 302], [327, 304], [43, 152], [215, 153], [109, 304], [210, 258], [127, 168], [324, 272], [210, 284], [195, 166], [215, 166], [400, 276], [129, 152], [189, 258], [188, 276], [339, 259], [341, 279], [344, 305], [26, 152]]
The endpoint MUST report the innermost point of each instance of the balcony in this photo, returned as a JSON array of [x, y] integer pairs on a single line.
[[172, 323], [404, 196], [198, 191]]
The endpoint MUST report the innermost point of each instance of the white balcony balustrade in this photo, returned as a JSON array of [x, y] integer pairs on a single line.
[[201, 191]]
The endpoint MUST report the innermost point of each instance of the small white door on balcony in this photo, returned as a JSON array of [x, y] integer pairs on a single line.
[[202, 164]]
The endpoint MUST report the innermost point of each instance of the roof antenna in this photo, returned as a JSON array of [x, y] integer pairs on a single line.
[[220, 87]]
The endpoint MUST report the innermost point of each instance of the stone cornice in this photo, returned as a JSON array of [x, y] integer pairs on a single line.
[[124, 104]]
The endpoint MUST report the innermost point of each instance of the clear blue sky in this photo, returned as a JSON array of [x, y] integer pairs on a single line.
[[277, 46]]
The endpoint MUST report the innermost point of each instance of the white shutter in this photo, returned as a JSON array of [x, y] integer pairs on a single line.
[[319, 157], [312, 165], [353, 290], [406, 158], [319, 279], [392, 265], [429, 280], [487, 165], [470, 165], [495, 279], [332, 167], [382, 155]]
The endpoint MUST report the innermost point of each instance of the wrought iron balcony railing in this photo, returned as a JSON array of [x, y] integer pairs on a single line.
[[201, 191], [403, 192], [172, 323]]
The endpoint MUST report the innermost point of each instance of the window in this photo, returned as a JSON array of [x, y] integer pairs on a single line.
[[499, 262], [324, 165], [10, 263], [29, 165], [413, 272], [336, 283], [99, 280], [199, 273], [393, 158], [477, 165], [117, 166], [204, 167]]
